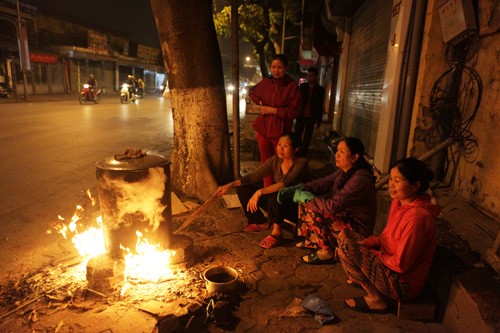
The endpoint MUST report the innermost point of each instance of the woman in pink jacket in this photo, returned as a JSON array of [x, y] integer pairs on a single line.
[[395, 264], [278, 100]]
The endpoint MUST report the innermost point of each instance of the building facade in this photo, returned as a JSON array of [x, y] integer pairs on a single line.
[[46, 54]]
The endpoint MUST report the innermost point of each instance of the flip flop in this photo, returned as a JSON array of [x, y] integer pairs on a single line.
[[306, 245], [255, 227], [360, 305], [271, 241], [313, 259]]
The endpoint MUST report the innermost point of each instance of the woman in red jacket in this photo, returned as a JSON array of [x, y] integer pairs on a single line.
[[395, 264], [278, 100]]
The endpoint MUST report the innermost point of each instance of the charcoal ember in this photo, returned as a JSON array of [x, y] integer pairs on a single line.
[[169, 324]]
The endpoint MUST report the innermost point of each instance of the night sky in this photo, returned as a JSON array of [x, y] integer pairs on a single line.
[[133, 17]]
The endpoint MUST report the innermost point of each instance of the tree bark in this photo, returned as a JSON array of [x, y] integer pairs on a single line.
[[201, 156]]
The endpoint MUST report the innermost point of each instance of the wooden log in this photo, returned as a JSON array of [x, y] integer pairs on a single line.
[[197, 213]]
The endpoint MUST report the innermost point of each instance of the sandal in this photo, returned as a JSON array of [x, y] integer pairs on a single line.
[[271, 241], [360, 305], [313, 259], [255, 227], [306, 245]]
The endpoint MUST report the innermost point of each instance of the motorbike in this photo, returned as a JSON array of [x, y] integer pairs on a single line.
[[127, 94], [86, 95], [161, 90]]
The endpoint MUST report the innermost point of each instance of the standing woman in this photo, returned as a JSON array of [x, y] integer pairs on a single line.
[[285, 169], [278, 100], [343, 200], [394, 265]]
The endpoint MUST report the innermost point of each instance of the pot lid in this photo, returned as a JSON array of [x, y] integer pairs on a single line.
[[138, 163]]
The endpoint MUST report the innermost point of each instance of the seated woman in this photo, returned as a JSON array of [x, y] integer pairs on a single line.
[[395, 264], [344, 199], [286, 169]]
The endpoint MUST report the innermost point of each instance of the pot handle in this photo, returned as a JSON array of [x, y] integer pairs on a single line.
[[240, 275]]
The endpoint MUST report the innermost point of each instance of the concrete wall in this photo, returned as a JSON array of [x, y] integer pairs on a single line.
[[478, 176]]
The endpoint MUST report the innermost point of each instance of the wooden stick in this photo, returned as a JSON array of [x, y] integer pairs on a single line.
[[96, 292], [29, 302], [197, 213]]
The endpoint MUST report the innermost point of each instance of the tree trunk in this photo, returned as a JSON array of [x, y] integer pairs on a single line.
[[201, 156], [259, 49]]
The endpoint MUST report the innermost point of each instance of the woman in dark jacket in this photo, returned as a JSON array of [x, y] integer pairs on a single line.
[[342, 200]]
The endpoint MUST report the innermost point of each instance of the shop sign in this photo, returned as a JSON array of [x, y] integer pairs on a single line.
[[45, 58]]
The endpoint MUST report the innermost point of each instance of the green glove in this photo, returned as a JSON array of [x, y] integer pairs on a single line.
[[302, 196], [288, 192]]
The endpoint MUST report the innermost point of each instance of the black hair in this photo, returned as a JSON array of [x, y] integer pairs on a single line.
[[281, 57], [355, 146], [313, 70], [415, 171], [294, 138]]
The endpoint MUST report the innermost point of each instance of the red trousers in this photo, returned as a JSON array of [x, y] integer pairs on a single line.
[[267, 149]]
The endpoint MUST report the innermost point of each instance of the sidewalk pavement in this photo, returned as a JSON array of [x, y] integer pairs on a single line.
[[277, 279]]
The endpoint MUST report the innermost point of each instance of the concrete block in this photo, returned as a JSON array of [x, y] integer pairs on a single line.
[[417, 311], [103, 272]]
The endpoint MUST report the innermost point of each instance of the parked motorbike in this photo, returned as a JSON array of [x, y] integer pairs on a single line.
[[127, 94], [86, 95]]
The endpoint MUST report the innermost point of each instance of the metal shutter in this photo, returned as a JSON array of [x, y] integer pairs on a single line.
[[365, 71]]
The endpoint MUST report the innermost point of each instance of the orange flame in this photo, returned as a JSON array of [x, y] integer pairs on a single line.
[[145, 263]]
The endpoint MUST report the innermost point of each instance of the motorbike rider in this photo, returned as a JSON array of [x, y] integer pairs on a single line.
[[140, 86], [92, 84], [131, 86]]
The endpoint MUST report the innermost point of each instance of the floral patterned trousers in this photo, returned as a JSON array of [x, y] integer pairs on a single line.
[[364, 267], [319, 229]]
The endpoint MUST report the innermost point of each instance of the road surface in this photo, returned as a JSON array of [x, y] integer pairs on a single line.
[[48, 153]]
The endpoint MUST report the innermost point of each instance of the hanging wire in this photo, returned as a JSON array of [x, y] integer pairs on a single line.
[[454, 101]]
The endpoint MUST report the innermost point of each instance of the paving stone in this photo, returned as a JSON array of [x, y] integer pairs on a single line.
[[269, 286], [312, 273], [332, 282], [277, 252], [279, 269]]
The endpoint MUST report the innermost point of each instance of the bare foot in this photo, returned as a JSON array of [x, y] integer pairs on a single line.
[[372, 303]]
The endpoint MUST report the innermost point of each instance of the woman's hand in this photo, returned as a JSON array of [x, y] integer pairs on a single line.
[[221, 190], [252, 205], [266, 109]]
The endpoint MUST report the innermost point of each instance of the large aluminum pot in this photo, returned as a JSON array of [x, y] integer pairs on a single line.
[[135, 195]]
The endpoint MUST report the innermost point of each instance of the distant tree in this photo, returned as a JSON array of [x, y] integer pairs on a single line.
[[201, 155], [260, 24]]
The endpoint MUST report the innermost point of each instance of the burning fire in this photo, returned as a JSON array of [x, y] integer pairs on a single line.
[[145, 263], [149, 263]]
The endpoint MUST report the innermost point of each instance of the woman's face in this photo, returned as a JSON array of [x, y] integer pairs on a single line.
[[400, 188], [343, 158], [284, 149], [278, 69]]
